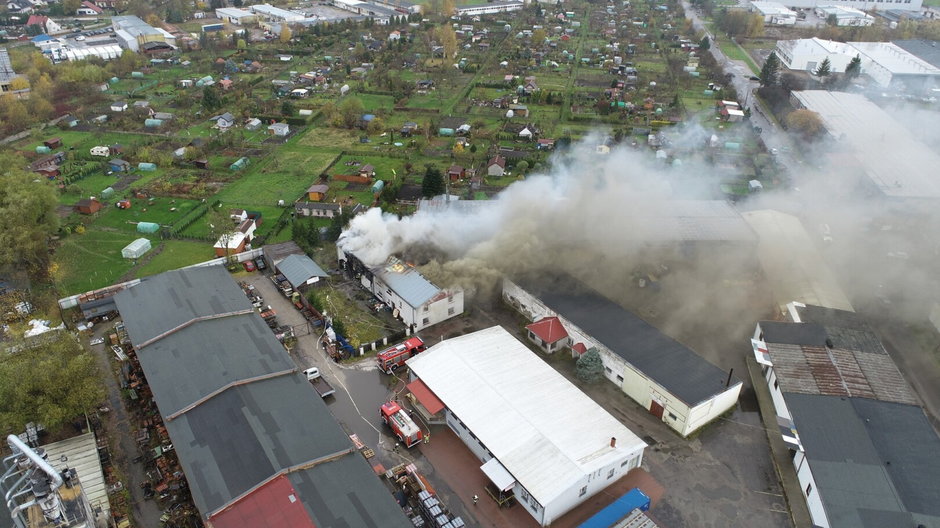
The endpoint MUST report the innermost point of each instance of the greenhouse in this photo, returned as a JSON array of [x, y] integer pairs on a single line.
[[136, 249]]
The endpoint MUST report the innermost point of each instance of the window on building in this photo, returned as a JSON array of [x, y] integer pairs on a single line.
[[809, 489], [450, 311], [775, 384], [525, 495], [607, 370], [619, 378], [425, 321], [388, 291], [624, 463], [583, 492], [610, 473], [672, 416], [426, 307], [450, 298]]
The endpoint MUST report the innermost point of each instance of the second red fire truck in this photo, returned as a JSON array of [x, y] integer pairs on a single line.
[[402, 425], [394, 357]]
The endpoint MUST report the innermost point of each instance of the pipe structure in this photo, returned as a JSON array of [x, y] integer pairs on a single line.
[[18, 445]]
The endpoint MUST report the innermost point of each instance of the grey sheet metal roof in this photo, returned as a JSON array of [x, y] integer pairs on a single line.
[[793, 333], [298, 269], [675, 367], [277, 252], [192, 363], [168, 300], [872, 461], [407, 282], [238, 438], [845, 329], [241, 437]]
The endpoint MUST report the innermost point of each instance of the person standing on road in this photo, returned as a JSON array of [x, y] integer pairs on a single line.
[[476, 499]]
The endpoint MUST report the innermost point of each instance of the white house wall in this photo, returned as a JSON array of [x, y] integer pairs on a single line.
[[813, 500], [707, 411], [621, 373], [545, 514], [421, 317]]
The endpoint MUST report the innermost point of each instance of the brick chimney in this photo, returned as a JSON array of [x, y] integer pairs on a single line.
[[613, 441]]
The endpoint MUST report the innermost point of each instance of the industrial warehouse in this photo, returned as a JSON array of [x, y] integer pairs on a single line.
[[496, 395], [659, 373], [230, 397]]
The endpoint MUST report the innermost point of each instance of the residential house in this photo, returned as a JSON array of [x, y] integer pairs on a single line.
[[224, 121], [237, 241], [413, 299], [88, 206], [317, 210], [239, 215], [496, 166], [394, 36], [455, 172], [674, 383], [530, 87], [88, 9], [279, 129], [548, 334], [47, 24], [317, 192], [21, 7]]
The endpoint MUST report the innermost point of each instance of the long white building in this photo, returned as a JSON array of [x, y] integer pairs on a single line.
[[864, 5], [662, 375], [488, 9], [534, 432]]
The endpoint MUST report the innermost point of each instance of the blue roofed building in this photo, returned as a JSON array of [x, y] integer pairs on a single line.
[[413, 299]]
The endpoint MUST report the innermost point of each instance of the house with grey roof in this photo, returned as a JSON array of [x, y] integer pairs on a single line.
[[231, 399], [862, 447], [301, 271], [674, 383], [413, 299], [317, 209]]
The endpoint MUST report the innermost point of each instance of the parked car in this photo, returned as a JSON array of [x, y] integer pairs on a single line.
[[249, 265], [259, 263]]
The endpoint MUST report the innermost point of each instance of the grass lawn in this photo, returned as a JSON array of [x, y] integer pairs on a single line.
[[331, 138], [373, 103], [283, 177], [91, 261], [735, 52], [163, 211], [91, 185], [176, 254], [361, 325]]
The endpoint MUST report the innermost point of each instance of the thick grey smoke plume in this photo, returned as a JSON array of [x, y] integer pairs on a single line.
[[605, 201]]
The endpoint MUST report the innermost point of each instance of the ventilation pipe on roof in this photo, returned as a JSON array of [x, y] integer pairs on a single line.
[[613, 441]]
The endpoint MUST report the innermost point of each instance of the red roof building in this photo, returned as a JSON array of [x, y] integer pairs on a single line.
[[548, 333], [578, 350], [431, 403], [273, 504]]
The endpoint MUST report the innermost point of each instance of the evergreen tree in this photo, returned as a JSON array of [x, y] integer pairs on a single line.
[[589, 367], [824, 69], [854, 69], [768, 74], [210, 98], [704, 44], [433, 182]]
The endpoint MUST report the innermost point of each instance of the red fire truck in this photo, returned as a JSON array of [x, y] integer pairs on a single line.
[[394, 357], [402, 425]]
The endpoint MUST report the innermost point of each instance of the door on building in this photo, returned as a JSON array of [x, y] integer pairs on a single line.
[[656, 409]]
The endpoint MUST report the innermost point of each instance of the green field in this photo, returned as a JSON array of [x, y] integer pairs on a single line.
[[163, 211], [91, 261], [175, 254], [284, 177]]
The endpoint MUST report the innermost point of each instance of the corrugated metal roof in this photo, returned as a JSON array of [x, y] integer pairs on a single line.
[[900, 166], [838, 372], [407, 282], [875, 463], [298, 269], [548, 434], [231, 441], [81, 453]]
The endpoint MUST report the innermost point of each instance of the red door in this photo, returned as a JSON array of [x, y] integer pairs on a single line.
[[656, 409]]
